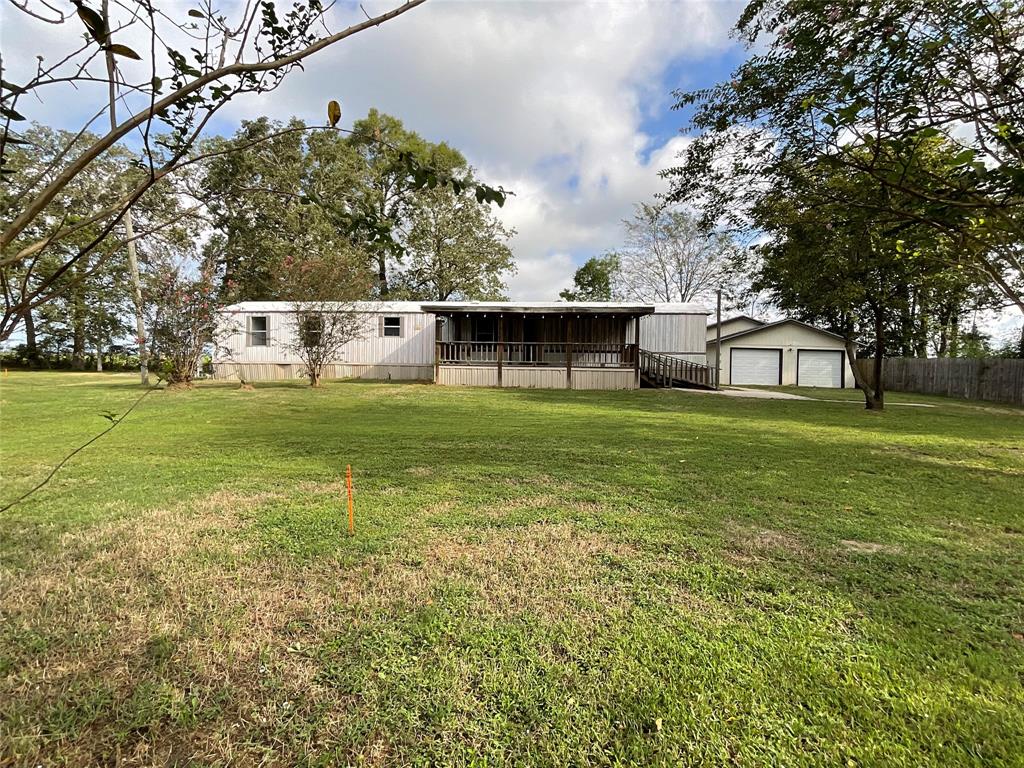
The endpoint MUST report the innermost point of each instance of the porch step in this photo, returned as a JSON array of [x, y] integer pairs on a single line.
[[665, 371]]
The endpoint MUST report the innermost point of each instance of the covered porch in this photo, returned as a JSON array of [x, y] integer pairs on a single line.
[[550, 345]]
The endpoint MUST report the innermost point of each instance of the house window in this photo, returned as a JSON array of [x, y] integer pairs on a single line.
[[311, 328], [391, 326], [485, 329], [258, 333]]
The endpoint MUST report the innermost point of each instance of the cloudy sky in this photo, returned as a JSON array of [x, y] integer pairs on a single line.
[[566, 103]]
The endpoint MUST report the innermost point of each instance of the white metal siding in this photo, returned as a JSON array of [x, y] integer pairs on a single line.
[[468, 375], [540, 378], [819, 368], [414, 347], [603, 379], [672, 334], [735, 325], [283, 371], [756, 366]]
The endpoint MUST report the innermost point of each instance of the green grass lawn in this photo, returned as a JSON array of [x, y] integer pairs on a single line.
[[538, 577]]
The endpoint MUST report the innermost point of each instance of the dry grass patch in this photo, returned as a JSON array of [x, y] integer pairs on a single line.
[[163, 618], [192, 645], [541, 570], [561, 502], [441, 507], [869, 547], [766, 541]]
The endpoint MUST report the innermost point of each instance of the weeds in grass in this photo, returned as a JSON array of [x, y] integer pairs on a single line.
[[741, 583]]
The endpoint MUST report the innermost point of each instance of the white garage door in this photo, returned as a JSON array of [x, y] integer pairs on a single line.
[[819, 368], [755, 366]]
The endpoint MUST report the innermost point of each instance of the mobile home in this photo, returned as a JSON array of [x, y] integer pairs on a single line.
[[574, 345]]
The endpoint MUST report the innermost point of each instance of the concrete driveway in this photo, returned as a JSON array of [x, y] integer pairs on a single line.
[[760, 394]]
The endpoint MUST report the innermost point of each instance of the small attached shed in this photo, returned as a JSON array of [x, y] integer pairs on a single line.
[[675, 330], [783, 353]]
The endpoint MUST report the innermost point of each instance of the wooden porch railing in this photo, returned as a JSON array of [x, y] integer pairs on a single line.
[[666, 371], [553, 353]]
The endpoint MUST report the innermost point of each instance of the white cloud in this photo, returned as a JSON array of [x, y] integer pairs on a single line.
[[547, 98], [541, 277]]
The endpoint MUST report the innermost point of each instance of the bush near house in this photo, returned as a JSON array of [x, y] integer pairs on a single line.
[[537, 577]]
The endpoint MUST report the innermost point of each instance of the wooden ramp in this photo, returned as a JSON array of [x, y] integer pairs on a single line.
[[657, 370]]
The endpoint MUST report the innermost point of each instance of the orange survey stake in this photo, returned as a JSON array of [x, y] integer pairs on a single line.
[[351, 510]]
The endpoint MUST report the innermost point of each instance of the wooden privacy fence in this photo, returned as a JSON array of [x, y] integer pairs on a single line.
[[994, 379]]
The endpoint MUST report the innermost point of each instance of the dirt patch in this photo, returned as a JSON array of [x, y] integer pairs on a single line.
[[869, 547], [420, 471]]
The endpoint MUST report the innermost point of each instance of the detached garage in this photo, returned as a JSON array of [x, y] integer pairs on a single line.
[[750, 365], [787, 352]]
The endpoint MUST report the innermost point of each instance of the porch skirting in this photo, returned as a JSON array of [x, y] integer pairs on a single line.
[[534, 377], [512, 376], [282, 371]]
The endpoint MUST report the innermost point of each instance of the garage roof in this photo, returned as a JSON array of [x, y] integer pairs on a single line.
[[725, 320], [777, 323]]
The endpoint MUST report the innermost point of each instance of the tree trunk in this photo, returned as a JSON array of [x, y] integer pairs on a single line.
[[876, 401], [382, 273], [921, 326], [907, 324], [858, 378], [78, 331], [99, 357], [31, 350], [942, 348], [129, 229], [78, 350], [140, 319]]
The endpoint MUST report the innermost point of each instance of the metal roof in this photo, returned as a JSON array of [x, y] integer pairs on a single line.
[[540, 307], [725, 320], [521, 307], [680, 308], [362, 306], [766, 326]]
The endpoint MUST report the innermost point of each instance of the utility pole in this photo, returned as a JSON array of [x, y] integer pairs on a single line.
[[718, 343]]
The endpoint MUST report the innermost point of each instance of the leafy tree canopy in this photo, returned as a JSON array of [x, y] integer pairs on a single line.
[[869, 86], [455, 249], [593, 281], [278, 190]]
